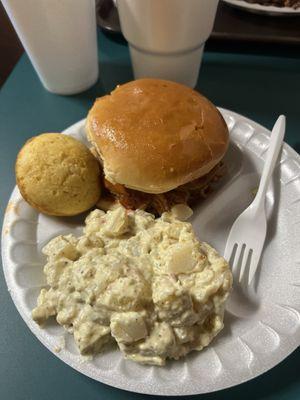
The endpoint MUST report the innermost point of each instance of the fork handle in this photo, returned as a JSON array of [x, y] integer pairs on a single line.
[[276, 140]]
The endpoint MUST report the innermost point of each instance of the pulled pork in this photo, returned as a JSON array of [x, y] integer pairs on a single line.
[[158, 203]]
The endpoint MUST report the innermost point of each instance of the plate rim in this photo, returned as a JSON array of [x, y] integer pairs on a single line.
[[261, 9], [104, 379]]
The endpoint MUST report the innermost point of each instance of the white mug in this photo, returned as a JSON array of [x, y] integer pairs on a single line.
[[60, 39], [166, 37]]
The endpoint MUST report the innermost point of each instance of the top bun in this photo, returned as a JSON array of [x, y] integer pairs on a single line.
[[154, 135]]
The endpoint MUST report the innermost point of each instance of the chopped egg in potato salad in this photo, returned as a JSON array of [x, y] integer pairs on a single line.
[[146, 283]]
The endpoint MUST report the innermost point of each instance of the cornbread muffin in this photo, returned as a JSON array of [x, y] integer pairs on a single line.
[[58, 175]]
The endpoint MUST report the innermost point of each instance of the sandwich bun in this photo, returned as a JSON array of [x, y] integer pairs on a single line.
[[154, 135]]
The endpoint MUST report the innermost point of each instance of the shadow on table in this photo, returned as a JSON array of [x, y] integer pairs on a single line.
[[110, 75], [277, 382], [277, 87], [297, 147]]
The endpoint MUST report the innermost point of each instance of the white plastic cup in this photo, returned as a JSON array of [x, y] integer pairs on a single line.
[[60, 39], [166, 37]]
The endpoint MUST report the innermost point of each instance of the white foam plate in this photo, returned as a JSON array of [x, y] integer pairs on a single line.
[[260, 331], [261, 9]]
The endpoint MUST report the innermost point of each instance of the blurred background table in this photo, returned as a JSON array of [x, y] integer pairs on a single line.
[[259, 86], [233, 25], [234, 31]]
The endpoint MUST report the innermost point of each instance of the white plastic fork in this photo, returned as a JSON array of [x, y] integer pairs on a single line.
[[247, 235]]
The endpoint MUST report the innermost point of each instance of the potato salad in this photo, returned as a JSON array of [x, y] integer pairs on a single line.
[[146, 283]]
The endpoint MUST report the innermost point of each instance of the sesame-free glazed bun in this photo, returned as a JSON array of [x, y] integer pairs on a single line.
[[58, 175], [155, 135]]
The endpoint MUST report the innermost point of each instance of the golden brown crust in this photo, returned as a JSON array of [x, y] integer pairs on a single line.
[[57, 175], [154, 135]]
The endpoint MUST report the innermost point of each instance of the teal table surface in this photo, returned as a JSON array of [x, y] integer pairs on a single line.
[[257, 86]]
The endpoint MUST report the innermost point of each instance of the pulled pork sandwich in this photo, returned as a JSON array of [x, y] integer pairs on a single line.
[[160, 143]]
